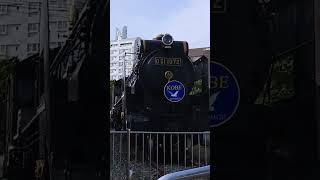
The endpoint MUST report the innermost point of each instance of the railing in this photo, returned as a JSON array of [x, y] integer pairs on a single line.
[[201, 172], [150, 155]]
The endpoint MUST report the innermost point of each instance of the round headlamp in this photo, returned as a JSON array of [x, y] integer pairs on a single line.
[[167, 39]]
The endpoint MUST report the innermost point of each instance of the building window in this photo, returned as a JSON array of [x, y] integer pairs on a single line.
[[3, 49], [60, 44], [3, 9], [126, 44], [62, 24], [33, 8], [113, 58], [53, 45], [113, 51], [53, 3], [3, 29], [52, 25], [33, 47], [61, 3], [33, 27]]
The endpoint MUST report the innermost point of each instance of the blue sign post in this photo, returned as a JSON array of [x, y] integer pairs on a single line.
[[174, 91], [224, 94]]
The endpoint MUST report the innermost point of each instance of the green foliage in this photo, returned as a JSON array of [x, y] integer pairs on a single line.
[[112, 83], [282, 82], [197, 87]]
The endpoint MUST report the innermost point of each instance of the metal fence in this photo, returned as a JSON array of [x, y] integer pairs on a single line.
[[150, 155]]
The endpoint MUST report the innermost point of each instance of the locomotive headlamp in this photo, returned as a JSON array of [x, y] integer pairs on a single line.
[[167, 39]]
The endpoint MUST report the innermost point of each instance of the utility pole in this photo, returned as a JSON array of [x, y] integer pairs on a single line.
[[124, 109], [46, 121]]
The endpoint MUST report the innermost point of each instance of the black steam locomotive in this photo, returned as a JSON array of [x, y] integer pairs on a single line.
[[160, 92]]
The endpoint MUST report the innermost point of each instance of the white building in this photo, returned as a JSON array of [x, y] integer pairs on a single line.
[[118, 48], [20, 25]]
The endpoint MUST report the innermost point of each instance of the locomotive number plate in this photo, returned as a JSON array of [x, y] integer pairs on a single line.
[[167, 61]]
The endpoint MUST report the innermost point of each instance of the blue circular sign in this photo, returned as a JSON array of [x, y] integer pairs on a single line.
[[224, 94], [174, 91]]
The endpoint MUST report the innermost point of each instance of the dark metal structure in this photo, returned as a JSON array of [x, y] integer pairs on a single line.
[[73, 143], [276, 139]]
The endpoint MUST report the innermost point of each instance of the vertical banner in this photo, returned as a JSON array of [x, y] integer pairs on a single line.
[[224, 94]]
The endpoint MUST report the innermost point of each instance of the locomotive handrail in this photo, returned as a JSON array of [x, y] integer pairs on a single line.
[[199, 172]]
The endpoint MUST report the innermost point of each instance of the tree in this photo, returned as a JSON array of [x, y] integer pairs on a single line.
[[197, 87]]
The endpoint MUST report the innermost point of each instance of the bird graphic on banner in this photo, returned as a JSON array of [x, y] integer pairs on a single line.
[[174, 94], [213, 99]]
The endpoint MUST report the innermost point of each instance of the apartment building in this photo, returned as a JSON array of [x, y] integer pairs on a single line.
[[118, 48], [20, 25]]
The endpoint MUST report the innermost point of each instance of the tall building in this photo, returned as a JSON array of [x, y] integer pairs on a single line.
[[118, 48], [20, 25]]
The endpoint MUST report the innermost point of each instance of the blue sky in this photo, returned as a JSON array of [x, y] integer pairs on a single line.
[[185, 20]]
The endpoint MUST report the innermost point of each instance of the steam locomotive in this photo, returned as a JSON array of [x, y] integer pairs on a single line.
[[160, 92]]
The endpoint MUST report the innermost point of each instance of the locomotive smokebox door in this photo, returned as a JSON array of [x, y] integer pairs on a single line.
[[161, 65]]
